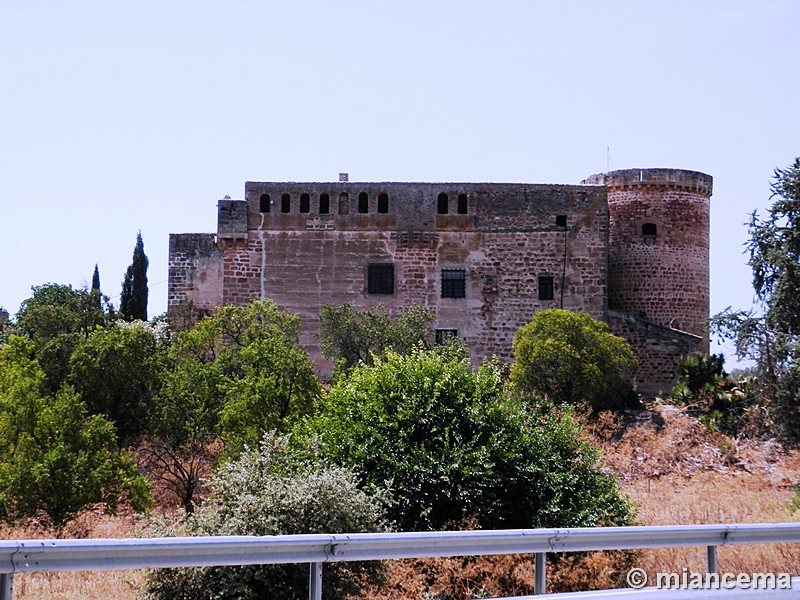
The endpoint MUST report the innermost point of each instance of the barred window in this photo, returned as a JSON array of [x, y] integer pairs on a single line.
[[380, 278], [546, 290], [444, 336], [454, 283]]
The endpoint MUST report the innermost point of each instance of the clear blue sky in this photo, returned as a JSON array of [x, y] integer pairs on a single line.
[[124, 116]]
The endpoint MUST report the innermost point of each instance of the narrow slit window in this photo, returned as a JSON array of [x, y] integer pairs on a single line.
[[462, 204], [344, 203], [305, 203], [380, 278], [454, 283], [264, 203], [383, 203], [546, 288], [443, 204], [324, 204], [363, 202], [286, 203], [649, 230]]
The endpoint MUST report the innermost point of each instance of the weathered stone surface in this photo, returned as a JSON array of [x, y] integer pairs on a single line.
[[280, 243]]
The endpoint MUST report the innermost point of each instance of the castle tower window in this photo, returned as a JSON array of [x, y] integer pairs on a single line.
[[324, 204], [344, 203], [264, 203], [454, 283], [363, 202], [649, 230], [462, 204], [383, 203], [561, 220], [286, 203], [305, 203], [442, 205], [546, 290], [380, 278], [445, 336]]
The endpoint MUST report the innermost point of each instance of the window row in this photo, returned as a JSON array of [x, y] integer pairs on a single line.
[[380, 280], [324, 203]]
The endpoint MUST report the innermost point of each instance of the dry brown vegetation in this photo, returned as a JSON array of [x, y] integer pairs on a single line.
[[673, 468]]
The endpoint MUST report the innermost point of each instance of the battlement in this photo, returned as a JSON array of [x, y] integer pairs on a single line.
[[693, 181]]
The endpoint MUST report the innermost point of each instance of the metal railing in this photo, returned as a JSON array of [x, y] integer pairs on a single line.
[[25, 556]]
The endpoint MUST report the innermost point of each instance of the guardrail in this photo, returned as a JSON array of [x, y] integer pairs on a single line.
[[25, 556]]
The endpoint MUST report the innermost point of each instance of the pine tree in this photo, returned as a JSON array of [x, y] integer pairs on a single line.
[[133, 300]]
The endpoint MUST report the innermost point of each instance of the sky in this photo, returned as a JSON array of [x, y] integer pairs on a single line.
[[119, 117]]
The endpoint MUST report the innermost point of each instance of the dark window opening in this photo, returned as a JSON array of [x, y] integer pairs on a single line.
[[380, 278], [286, 203], [445, 336], [383, 203], [344, 203], [363, 202], [561, 220], [454, 283], [442, 206], [649, 230], [546, 289], [462, 204], [305, 203], [264, 203], [324, 204]]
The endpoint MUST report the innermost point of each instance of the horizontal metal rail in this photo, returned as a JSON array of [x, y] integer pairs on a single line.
[[20, 556]]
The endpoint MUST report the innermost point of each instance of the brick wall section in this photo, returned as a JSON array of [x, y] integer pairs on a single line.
[[656, 348]]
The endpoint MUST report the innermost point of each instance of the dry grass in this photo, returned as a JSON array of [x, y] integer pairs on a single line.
[[675, 471]]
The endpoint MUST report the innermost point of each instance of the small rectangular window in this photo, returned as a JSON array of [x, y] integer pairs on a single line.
[[454, 283], [561, 220], [380, 278], [444, 336], [546, 288]]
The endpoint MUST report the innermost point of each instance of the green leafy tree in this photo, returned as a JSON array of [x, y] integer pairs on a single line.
[[452, 446], [352, 336], [133, 300], [571, 358], [117, 371], [275, 490], [54, 457]]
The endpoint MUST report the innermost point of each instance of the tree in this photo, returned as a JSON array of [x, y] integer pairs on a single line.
[[133, 300], [351, 336], [571, 358], [55, 457], [277, 490], [95, 289], [452, 446], [117, 371]]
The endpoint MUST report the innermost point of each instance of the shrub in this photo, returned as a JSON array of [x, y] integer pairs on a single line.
[[453, 446], [276, 491]]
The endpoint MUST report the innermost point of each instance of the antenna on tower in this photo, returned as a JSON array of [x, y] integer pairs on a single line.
[[608, 159]]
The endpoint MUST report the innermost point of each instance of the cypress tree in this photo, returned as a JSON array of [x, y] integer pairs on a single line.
[[95, 291], [133, 300]]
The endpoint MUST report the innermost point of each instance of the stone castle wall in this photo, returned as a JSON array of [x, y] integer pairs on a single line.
[[305, 245]]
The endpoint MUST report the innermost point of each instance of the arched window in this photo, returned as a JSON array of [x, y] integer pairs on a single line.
[[462, 204], [363, 202], [344, 203], [305, 203], [286, 203], [383, 203], [264, 203], [324, 204], [443, 205], [649, 230]]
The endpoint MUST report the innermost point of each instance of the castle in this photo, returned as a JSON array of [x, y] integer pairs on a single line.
[[630, 248]]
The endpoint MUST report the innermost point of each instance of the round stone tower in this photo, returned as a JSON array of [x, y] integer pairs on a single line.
[[658, 246]]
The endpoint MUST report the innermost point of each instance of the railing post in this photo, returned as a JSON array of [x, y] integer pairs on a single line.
[[6, 586], [539, 573], [712, 559], [314, 581]]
